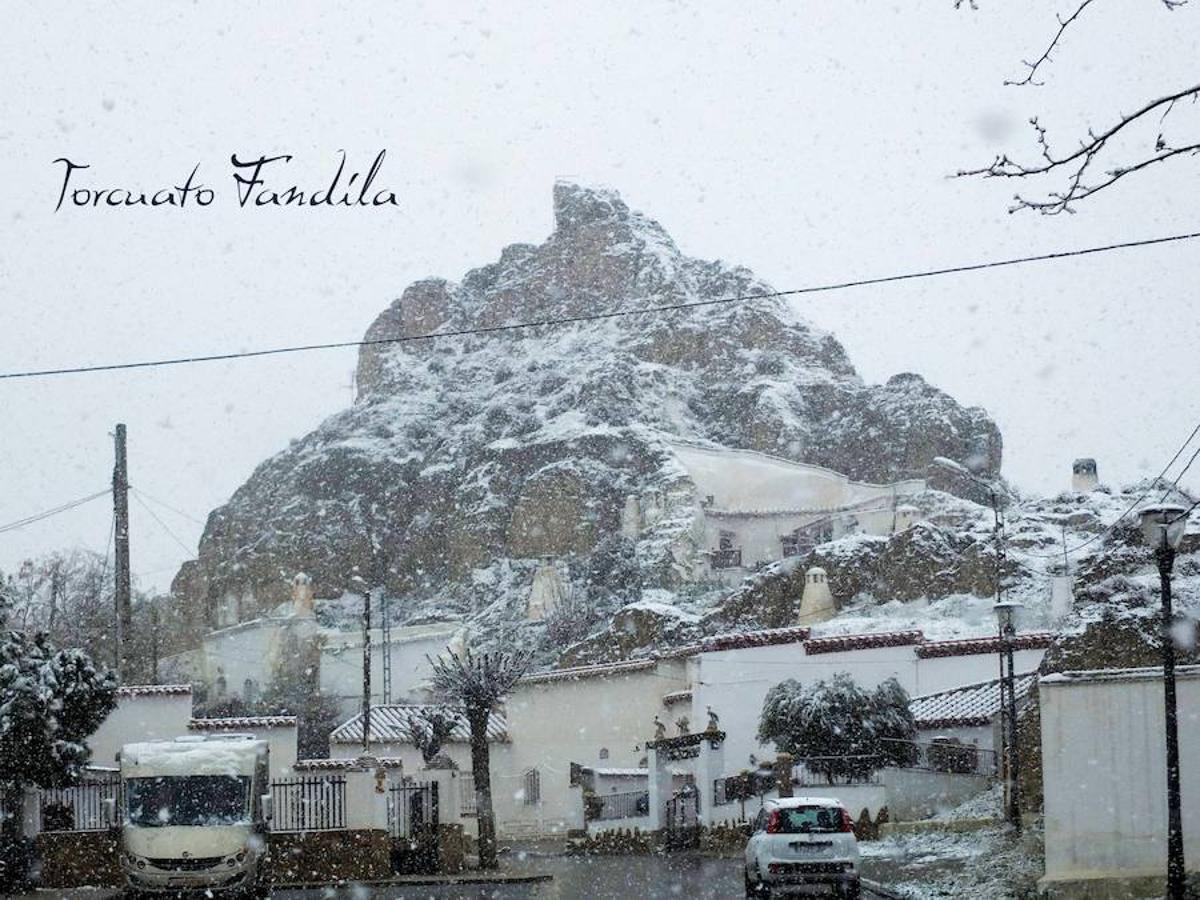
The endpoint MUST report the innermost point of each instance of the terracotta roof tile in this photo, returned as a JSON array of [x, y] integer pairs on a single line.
[[147, 690], [1034, 640], [837, 643], [232, 723]]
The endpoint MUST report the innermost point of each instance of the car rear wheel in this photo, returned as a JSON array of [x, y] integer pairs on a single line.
[[755, 890]]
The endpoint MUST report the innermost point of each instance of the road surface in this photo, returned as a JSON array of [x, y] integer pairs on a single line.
[[575, 878]]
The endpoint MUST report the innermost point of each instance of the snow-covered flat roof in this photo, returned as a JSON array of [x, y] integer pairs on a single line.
[[1148, 673]]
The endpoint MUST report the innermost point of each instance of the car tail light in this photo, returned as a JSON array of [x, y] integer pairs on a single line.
[[773, 822], [847, 822]]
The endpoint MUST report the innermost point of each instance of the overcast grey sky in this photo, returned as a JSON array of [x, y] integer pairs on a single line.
[[809, 141]]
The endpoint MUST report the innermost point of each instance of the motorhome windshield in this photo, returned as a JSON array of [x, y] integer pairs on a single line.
[[188, 800]]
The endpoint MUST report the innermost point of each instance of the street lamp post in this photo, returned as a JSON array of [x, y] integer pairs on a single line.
[[1005, 612], [1163, 526], [1006, 618]]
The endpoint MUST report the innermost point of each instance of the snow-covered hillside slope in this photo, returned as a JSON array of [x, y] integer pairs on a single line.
[[465, 460]]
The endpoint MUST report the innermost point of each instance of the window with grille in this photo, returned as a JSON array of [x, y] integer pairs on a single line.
[[533, 787]]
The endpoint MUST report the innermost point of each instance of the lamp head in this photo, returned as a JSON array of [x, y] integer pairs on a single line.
[[1163, 523], [1006, 613]]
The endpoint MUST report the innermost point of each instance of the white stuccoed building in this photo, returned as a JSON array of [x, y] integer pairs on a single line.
[[748, 508]]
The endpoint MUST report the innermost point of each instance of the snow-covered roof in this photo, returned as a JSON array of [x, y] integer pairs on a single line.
[[869, 641], [593, 671], [237, 723], [147, 690], [1148, 673], [969, 705], [342, 765], [748, 482], [1033, 640], [767, 637], [191, 756], [619, 773], [391, 725]]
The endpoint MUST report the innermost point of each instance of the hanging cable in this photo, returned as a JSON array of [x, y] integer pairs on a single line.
[[162, 524], [167, 506], [616, 314], [37, 517]]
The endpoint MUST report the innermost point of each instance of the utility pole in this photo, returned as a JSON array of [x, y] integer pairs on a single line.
[[385, 628], [124, 606], [154, 641], [366, 696]]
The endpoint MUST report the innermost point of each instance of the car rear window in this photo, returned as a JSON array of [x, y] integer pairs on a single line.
[[809, 819]]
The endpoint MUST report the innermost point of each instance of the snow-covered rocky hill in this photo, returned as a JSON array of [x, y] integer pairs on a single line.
[[466, 460]]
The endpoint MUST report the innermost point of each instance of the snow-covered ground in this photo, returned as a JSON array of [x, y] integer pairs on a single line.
[[990, 863]]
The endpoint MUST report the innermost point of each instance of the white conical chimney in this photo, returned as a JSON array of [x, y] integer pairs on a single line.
[[817, 603], [549, 590], [303, 603], [631, 518]]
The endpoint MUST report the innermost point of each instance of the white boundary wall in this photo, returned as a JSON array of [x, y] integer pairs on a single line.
[[1104, 771]]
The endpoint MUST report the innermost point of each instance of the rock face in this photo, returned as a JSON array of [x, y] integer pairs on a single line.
[[517, 444]]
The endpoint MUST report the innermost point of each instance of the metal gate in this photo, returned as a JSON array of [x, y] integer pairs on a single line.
[[683, 819], [412, 808]]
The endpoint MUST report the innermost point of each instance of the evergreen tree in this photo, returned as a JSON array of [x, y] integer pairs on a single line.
[[51, 701], [838, 728]]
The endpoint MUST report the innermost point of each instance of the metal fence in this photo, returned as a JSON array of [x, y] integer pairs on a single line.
[[826, 771], [466, 794], [309, 804], [412, 808], [78, 808], [626, 805], [948, 756]]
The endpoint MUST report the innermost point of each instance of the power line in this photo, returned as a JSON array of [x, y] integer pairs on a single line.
[[37, 517], [161, 523], [1174, 484], [593, 317], [167, 506]]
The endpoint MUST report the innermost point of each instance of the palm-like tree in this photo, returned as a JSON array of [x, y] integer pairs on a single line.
[[479, 681]]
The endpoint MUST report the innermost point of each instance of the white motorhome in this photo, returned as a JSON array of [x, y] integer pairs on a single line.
[[195, 814]]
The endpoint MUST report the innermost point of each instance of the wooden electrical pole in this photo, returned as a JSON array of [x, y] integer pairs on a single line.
[[123, 602], [366, 697]]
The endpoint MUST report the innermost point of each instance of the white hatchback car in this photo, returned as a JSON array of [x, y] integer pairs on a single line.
[[802, 845]]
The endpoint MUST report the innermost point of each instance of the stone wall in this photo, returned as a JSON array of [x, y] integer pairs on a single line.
[[323, 857], [77, 858]]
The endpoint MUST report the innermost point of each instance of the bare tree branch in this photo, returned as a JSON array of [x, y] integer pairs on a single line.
[[1084, 172], [1082, 162], [1063, 25]]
